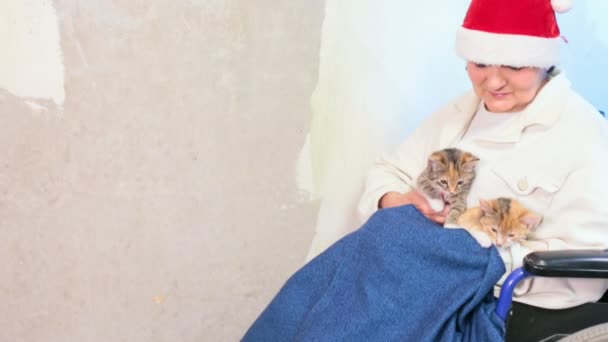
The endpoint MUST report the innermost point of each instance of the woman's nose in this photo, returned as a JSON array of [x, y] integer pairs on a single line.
[[494, 79]]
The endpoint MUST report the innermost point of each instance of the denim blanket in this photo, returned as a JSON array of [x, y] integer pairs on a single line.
[[400, 277]]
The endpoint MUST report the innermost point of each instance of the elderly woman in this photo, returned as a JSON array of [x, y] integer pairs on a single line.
[[538, 142], [402, 276]]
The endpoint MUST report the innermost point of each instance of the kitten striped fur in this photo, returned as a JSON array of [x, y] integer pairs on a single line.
[[448, 177], [501, 221]]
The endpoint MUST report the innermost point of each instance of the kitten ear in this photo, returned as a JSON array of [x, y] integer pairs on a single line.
[[435, 162], [486, 207], [469, 161], [531, 220]]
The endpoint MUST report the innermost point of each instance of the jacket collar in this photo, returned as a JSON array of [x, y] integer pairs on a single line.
[[544, 110], [464, 110]]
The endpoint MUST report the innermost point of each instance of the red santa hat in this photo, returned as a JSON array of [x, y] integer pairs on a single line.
[[518, 33]]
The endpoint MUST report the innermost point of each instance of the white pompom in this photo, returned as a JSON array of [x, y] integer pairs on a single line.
[[561, 6]]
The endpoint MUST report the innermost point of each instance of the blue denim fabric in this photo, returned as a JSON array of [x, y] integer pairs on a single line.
[[400, 277]]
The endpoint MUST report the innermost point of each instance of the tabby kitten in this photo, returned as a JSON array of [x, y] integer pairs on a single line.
[[500, 221], [447, 179]]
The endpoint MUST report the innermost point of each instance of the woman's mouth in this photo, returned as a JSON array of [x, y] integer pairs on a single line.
[[498, 95]]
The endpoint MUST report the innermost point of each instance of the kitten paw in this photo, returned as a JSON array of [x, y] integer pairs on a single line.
[[436, 204], [451, 226], [482, 238]]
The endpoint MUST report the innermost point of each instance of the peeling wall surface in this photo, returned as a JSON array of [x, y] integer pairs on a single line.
[[147, 160]]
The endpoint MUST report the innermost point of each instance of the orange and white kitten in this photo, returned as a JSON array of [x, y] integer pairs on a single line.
[[447, 179], [500, 221]]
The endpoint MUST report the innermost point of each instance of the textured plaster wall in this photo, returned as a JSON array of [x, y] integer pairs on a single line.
[[158, 201]]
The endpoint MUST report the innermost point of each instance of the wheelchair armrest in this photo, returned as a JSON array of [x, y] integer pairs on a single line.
[[582, 263], [568, 263]]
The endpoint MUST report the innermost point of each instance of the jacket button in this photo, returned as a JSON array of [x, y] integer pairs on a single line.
[[522, 184]]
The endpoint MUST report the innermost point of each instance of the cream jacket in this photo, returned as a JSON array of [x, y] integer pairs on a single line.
[[553, 159]]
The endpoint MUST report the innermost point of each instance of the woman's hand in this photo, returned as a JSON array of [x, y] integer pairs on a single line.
[[395, 199]]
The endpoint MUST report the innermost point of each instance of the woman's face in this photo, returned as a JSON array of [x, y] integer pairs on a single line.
[[505, 89]]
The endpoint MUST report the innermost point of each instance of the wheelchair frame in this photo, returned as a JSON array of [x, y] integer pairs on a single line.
[[545, 324]]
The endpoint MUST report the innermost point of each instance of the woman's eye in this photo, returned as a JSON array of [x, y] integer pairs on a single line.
[[479, 65], [511, 235], [494, 230], [513, 68]]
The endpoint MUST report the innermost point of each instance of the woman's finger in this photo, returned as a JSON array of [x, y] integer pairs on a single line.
[[432, 215], [439, 219]]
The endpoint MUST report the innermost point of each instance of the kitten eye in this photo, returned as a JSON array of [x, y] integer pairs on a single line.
[[443, 182], [459, 183], [494, 230], [511, 235]]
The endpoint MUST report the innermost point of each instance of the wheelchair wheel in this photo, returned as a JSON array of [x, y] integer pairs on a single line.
[[596, 333]]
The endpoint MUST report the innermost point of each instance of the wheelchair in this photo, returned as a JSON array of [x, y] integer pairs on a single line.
[[587, 322]]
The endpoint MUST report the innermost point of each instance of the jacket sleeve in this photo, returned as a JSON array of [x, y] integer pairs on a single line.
[[577, 218], [399, 170]]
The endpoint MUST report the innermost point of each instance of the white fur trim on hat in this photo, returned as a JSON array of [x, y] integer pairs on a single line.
[[561, 6], [507, 49]]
